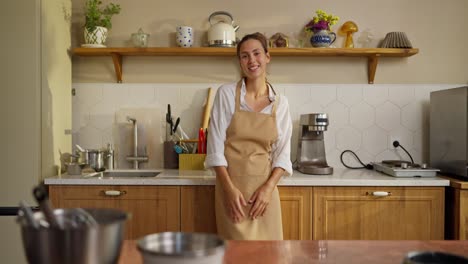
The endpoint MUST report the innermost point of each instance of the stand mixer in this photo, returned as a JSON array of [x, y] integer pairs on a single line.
[[311, 150]]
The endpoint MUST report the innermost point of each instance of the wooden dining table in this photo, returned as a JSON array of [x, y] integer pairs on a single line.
[[318, 251]]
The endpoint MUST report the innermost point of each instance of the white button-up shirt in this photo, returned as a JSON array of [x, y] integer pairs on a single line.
[[222, 112]]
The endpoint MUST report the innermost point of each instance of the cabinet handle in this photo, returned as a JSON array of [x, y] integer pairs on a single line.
[[379, 193], [114, 193]]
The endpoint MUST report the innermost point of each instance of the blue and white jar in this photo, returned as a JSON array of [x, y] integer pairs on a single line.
[[184, 36], [322, 39]]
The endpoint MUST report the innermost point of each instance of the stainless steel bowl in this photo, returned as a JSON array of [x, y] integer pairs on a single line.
[[81, 245], [176, 247]]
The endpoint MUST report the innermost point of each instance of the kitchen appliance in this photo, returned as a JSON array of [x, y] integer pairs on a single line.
[[399, 168], [311, 150], [177, 248], [449, 131], [223, 32]]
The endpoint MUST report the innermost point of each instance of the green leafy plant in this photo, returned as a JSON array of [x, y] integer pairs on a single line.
[[99, 17]]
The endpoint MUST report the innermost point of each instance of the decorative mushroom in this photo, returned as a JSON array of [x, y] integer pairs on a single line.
[[348, 28]]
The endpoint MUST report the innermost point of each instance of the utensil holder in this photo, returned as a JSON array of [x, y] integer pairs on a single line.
[[171, 158], [192, 161]]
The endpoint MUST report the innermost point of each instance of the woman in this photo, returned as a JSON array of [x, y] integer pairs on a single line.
[[249, 148]]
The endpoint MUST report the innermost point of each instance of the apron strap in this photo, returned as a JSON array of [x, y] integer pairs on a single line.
[[238, 92], [275, 103]]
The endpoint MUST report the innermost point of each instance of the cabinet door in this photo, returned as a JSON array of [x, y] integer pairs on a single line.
[[355, 213], [463, 215], [296, 212], [152, 209], [456, 221], [198, 209]]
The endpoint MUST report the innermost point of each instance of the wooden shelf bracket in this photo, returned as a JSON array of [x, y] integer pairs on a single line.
[[117, 59], [372, 62]]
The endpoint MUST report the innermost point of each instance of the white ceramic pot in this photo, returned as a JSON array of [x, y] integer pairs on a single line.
[[97, 37]]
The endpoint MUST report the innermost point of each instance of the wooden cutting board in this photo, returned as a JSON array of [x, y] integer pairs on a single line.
[[207, 110]]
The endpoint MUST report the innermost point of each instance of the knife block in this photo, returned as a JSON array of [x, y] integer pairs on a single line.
[[192, 161]]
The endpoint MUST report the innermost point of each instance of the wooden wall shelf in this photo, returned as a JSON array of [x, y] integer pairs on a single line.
[[371, 54]]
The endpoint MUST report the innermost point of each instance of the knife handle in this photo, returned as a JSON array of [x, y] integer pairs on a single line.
[[201, 141]]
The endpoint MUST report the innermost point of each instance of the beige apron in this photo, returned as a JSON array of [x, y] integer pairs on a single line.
[[249, 138]]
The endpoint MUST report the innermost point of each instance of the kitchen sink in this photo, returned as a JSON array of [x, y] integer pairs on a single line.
[[124, 174]]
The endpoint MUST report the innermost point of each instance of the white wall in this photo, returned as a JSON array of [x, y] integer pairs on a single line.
[[363, 118], [436, 27]]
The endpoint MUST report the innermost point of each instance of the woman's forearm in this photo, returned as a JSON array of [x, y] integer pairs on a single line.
[[275, 176], [223, 176]]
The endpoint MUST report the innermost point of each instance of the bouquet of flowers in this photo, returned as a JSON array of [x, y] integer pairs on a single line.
[[321, 21]]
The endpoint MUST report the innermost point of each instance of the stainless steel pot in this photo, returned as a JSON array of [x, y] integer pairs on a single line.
[[81, 245], [96, 159]]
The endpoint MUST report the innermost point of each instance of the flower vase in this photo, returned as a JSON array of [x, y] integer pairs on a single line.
[[322, 38]]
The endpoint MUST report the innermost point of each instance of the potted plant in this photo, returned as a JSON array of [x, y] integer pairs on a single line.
[[98, 21]]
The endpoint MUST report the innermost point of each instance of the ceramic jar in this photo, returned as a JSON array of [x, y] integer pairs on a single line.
[[322, 39], [184, 36]]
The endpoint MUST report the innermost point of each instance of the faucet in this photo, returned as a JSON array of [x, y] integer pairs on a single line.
[[135, 158]]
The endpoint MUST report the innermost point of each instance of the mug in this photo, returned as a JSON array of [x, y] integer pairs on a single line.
[[184, 36]]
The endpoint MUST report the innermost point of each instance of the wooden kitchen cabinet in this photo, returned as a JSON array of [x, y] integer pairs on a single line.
[[152, 209], [355, 213], [456, 204], [198, 210], [296, 212]]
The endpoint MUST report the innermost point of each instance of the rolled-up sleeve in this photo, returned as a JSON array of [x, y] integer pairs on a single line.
[[217, 129], [281, 152]]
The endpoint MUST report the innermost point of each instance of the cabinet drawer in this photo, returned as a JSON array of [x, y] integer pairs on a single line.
[[112, 192]]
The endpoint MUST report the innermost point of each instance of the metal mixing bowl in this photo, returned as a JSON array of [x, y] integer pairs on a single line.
[[176, 247], [80, 245]]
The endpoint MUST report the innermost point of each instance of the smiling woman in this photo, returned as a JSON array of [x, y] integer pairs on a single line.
[[249, 148]]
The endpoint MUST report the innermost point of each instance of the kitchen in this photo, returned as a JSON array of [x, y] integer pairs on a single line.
[[395, 105]]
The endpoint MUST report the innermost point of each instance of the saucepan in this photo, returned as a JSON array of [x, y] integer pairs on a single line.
[[71, 243], [93, 157], [181, 248]]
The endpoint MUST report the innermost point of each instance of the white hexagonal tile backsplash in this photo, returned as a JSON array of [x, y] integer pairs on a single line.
[[363, 118]]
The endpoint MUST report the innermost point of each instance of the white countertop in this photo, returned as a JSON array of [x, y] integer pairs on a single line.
[[340, 177]]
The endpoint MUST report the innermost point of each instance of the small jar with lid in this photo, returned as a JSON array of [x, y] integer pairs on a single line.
[[140, 39]]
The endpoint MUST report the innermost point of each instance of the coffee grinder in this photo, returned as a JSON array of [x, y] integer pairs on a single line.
[[311, 150]]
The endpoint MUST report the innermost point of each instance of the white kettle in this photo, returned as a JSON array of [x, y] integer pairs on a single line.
[[222, 33]]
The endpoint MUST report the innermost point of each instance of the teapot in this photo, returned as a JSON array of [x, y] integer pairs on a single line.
[[222, 33]]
